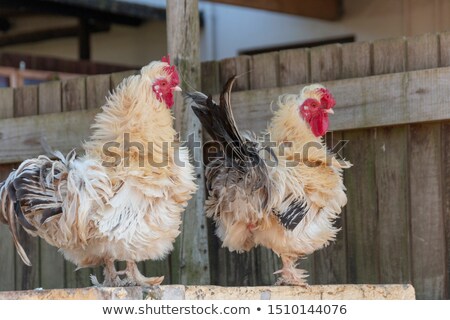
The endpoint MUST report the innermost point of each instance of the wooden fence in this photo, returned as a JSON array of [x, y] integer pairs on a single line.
[[393, 106]]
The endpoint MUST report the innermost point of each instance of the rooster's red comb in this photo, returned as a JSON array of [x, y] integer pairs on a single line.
[[166, 59]]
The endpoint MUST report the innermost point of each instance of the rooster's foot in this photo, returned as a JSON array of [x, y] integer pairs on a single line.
[[135, 278], [290, 275]]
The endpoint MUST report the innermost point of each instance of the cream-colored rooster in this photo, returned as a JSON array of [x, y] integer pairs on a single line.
[[288, 205], [124, 198]]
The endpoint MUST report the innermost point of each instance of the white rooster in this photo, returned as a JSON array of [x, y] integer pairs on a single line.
[[288, 205], [124, 198]]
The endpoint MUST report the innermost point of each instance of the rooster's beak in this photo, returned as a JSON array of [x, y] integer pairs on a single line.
[[330, 111], [177, 88]]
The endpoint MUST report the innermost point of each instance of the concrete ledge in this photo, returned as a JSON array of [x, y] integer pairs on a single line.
[[180, 292]]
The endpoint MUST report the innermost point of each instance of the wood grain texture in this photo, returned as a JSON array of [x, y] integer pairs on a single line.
[[356, 60], [444, 47], [7, 249], [294, 67], [233, 268], [264, 74], [210, 83], [26, 104], [51, 267], [326, 63], [412, 97], [330, 263], [362, 212], [429, 263], [239, 66], [422, 52], [74, 94], [51, 263], [97, 89], [6, 103], [190, 263], [265, 71], [389, 56], [446, 191], [63, 131], [210, 77], [391, 161], [49, 97], [25, 101]]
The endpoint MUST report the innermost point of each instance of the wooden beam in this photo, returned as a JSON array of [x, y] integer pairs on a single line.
[[320, 9], [191, 257], [384, 100], [63, 131], [12, 38]]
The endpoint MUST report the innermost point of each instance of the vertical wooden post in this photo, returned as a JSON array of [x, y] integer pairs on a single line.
[[190, 260]]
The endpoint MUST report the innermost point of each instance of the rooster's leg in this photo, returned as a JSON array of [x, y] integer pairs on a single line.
[[290, 275], [112, 278], [134, 276]]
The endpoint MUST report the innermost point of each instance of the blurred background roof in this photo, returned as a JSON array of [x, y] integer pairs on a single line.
[[133, 32]]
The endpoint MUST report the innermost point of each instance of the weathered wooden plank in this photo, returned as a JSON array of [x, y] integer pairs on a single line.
[[265, 74], [97, 89], [330, 263], [356, 60], [51, 262], [391, 161], [192, 245], [64, 131], [26, 104], [265, 70], [25, 101], [157, 269], [74, 98], [49, 97], [294, 67], [410, 97], [444, 46], [6, 103], [52, 267], [362, 214], [389, 55], [422, 52], [74, 94], [76, 278], [235, 269], [7, 250], [210, 77], [7, 266], [446, 191], [239, 66], [429, 263], [326, 63], [383, 100], [210, 83]]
